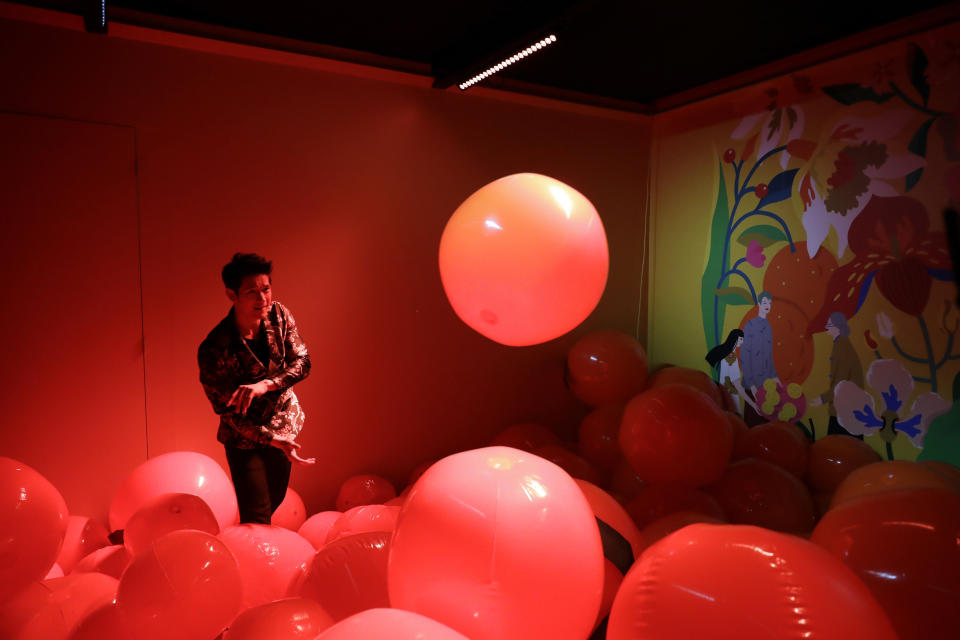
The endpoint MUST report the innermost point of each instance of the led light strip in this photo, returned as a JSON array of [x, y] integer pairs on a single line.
[[506, 62]]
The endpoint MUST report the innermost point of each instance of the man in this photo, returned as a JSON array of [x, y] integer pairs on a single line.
[[844, 365], [248, 364], [756, 353]]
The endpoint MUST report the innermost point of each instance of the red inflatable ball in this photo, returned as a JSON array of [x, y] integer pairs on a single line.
[[363, 489], [690, 377], [570, 462], [165, 513], [606, 367], [612, 579], [417, 472], [104, 623], [83, 536], [736, 582], [664, 526], [370, 517], [524, 259], [33, 523], [674, 434], [905, 546], [291, 514], [625, 483], [349, 575], [597, 437], [111, 560], [389, 624], [287, 619], [499, 543], [176, 472], [945, 469], [658, 500], [67, 601], [270, 559], [889, 475], [740, 427], [55, 572], [606, 508], [525, 436], [833, 458], [316, 527], [185, 585], [760, 493], [781, 443]]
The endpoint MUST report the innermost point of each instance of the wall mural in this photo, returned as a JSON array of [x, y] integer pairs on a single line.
[[830, 224]]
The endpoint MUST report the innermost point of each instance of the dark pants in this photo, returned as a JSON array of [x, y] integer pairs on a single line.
[[260, 477]]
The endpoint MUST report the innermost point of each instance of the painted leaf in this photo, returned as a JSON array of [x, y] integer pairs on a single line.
[[852, 93], [735, 296], [779, 188], [764, 234], [917, 63], [918, 146], [846, 290], [711, 307]]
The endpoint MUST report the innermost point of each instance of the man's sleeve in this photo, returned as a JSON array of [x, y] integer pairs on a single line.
[[219, 387], [297, 360], [747, 357]]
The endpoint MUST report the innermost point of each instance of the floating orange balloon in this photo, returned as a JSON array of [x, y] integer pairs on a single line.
[[658, 500], [270, 560], [392, 624], [524, 259], [83, 536], [111, 560], [499, 543], [760, 493], [905, 546], [662, 527], [525, 436], [176, 472], [833, 458], [597, 437], [317, 526], [606, 367], [68, 601], [184, 585], [606, 508], [570, 462], [675, 434], [291, 514], [369, 517], [287, 619], [889, 475], [691, 377], [165, 513], [741, 582], [363, 489], [33, 522], [781, 443]]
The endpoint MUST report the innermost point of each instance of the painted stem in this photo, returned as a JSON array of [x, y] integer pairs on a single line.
[[930, 357]]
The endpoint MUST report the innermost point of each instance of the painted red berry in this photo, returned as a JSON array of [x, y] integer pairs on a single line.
[[729, 156], [761, 190]]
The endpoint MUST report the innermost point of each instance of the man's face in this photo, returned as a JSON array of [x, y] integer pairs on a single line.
[[254, 297], [764, 306], [832, 329]]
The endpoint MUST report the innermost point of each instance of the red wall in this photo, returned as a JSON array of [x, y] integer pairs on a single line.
[[346, 182]]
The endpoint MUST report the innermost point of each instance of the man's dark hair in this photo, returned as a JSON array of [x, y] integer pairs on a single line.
[[243, 265]]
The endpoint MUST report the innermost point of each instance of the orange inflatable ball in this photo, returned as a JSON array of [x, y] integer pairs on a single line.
[[176, 472], [104, 623], [270, 559], [728, 582], [525, 436], [291, 514], [691, 377], [33, 523], [570, 462], [606, 367], [389, 624], [165, 513], [760, 493], [781, 443], [524, 259], [317, 526], [889, 475], [625, 483], [597, 437], [287, 619], [184, 585], [675, 434], [497, 543], [658, 500], [606, 508], [68, 601], [833, 457], [349, 575], [111, 560], [83, 536], [369, 517], [905, 546], [662, 527], [363, 489]]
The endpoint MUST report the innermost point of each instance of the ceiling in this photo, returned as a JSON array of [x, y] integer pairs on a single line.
[[629, 54]]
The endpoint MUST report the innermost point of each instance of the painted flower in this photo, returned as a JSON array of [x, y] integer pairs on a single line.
[[843, 172], [884, 325], [755, 255], [858, 413], [765, 131]]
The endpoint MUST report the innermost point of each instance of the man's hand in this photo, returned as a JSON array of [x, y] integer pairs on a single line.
[[290, 448], [815, 402], [246, 393]]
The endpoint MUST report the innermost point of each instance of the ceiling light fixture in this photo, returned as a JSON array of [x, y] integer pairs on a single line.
[[506, 62]]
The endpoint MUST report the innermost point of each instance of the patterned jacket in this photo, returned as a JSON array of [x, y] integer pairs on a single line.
[[226, 362]]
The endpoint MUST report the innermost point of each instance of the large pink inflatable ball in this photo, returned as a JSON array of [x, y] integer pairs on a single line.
[[570, 462], [83, 536], [362, 489], [606, 367], [185, 585], [389, 624], [111, 560], [33, 522], [270, 559], [176, 472], [524, 259], [316, 527], [291, 514], [736, 582], [597, 437], [525, 436], [499, 543], [287, 619], [760, 493], [675, 434], [104, 623], [68, 601], [349, 575], [370, 517], [165, 513], [606, 508]]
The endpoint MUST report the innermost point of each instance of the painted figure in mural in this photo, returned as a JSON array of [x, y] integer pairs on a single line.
[[844, 365], [756, 354], [725, 357], [248, 364]]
